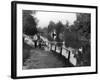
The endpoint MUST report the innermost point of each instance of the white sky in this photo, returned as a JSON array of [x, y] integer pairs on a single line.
[[45, 17]]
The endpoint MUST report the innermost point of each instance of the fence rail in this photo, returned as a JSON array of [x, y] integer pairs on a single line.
[[68, 53]]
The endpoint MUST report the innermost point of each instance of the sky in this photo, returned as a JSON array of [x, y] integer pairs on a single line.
[[45, 17]]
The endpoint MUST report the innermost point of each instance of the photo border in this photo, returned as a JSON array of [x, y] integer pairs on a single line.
[[14, 38]]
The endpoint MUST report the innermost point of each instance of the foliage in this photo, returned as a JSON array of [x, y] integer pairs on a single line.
[[71, 39], [29, 12], [59, 30], [51, 27], [29, 23], [83, 25]]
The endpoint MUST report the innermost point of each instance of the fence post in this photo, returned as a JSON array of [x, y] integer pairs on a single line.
[[35, 43], [55, 47], [51, 46], [69, 56], [61, 50], [48, 46]]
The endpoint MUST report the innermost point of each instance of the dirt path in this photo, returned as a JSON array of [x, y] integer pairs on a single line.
[[45, 59]]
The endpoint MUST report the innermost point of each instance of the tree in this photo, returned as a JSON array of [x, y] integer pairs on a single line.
[[59, 31], [71, 39], [51, 28], [67, 25], [29, 23], [29, 12], [83, 25]]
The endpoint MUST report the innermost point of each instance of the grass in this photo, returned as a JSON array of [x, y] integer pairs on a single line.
[[26, 51]]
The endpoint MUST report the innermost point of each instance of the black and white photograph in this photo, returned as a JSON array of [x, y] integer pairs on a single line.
[[55, 39]]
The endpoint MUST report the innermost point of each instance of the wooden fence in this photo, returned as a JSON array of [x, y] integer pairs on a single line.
[[69, 53]]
